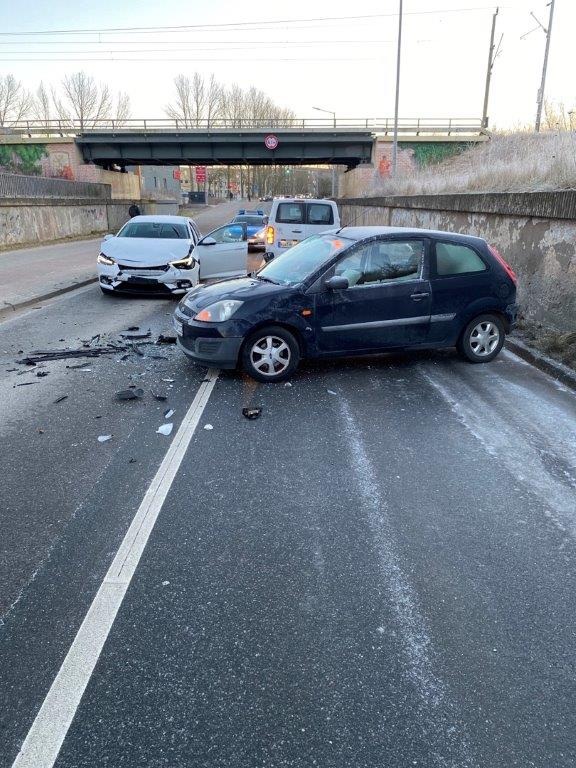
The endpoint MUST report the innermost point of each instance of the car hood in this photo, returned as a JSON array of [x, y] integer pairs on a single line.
[[145, 251], [242, 289]]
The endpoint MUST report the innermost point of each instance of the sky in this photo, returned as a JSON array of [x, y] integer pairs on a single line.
[[303, 53]]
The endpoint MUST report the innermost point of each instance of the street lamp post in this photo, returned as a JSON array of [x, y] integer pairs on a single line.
[[398, 52], [330, 112]]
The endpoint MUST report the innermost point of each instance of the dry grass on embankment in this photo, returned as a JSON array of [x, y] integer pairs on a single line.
[[517, 162]]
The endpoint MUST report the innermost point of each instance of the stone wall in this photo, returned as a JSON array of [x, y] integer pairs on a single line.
[[535, 232]]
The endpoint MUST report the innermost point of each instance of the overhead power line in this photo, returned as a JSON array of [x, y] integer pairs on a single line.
[[236, 24]]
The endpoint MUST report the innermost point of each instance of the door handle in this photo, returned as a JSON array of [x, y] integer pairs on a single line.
[[418, 296], [296, 231]]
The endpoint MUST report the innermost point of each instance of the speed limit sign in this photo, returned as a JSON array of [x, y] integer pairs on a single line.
[[271, 141]]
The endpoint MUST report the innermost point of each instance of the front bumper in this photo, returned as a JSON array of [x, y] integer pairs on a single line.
[[164, 282], [203, 343]]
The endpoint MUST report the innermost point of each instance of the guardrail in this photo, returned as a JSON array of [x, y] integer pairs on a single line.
[[14, 185], [406, 126]]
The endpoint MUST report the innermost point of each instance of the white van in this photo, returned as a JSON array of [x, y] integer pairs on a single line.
[[292, 220]]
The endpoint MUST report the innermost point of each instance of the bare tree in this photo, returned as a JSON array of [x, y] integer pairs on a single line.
[[15, 101], [84, 100], [42, 107], [214, 101], [122, 112], [182, 109]]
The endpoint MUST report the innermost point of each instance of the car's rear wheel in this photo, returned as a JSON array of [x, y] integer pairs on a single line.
[[270, 354], [482, 339]]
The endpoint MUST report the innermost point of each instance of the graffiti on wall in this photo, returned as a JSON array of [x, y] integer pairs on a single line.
[[22, 158], [413, 156]]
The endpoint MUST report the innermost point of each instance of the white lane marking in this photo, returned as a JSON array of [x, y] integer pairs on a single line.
[[44, 740], [439, 718]]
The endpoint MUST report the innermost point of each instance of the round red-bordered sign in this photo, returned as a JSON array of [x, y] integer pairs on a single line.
[[271, 141]]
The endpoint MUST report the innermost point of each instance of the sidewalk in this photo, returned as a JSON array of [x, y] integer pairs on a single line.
[[31, 274]]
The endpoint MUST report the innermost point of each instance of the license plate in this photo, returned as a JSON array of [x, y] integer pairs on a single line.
[[287, 243], [141, 280], [178, 327]]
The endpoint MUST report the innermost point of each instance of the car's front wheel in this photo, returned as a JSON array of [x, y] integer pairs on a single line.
[[270, 354], [482, 339]]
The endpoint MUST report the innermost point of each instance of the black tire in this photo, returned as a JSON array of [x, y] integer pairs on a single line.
[[482, 339], [288, 357]]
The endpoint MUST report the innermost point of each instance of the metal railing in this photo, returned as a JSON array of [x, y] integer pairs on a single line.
[[406, 126], [16, 186]]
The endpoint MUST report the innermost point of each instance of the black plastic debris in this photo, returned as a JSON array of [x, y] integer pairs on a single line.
[[132, 461], [41, 374], [45, 355], [133, 328], [161, 398], [131, 335], [59, 399], [25, 384], [166, 339], [130, 394], [251, 413]]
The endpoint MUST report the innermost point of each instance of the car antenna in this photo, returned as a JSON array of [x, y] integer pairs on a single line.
[[353, 220]]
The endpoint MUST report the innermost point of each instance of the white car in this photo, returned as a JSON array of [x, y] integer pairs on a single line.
[[292, 220], [167, 255]]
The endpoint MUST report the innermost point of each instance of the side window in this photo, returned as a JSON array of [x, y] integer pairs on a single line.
[[382, 261], [290, 213], [320, 213], [454, 259], [231, 233]]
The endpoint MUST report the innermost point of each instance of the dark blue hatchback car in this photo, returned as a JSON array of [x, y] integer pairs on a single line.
[[359, 290]]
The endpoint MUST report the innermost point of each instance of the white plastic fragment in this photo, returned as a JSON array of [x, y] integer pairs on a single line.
[[104, 438], [287, 384], [168, 413], [330, 392], [208, 426], [170, 381], [165, 583], [165, 429]]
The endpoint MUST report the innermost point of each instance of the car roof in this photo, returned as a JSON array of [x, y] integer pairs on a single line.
[[362, 233], [162, 219], [304, 199]]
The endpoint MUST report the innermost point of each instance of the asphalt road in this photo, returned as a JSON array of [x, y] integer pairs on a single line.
[[378, 572]]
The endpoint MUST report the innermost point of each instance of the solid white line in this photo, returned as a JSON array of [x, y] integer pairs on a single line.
[[44, 740]]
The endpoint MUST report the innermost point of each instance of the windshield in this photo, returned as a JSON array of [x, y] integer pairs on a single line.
[[303, 259], [164, 230], [252, 221]]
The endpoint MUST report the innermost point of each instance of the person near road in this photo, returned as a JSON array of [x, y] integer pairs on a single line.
[[134, 210]]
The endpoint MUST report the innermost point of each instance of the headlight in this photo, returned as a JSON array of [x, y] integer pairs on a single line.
[[103, 259], [218, 312], [261, 234], [188, 263]]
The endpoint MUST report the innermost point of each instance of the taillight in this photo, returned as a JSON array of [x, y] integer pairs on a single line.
[[270, 235], [507, 268]]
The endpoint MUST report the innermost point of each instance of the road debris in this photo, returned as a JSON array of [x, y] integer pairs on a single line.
[[331, 392], [208, 426], [251, 413], [133, 328], [25, 384], [287, 384], [41, 374], [170, 381], [130, 394], [165, 429], [161, 398], [166, 339], [143, 335], [46, 355], [104, 438], [60, 399], [168, 413], [132, 461]]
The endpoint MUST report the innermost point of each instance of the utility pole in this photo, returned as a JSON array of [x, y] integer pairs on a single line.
[[491, 58], [395, 139], [545, 65]]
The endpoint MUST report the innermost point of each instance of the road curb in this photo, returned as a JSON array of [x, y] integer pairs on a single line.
[[9, 308], [539, 360]]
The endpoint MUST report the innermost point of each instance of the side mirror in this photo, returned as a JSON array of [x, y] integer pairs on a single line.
[[107, 237], [208, 241], [337, 283], [268, 257]]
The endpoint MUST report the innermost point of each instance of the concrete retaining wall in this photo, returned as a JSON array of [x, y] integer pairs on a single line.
[[23, 222], [535, 232]]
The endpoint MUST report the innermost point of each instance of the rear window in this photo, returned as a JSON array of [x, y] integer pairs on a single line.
[[151, 229], [320, 213], [252, 221], [290, 213], [454, 259]]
